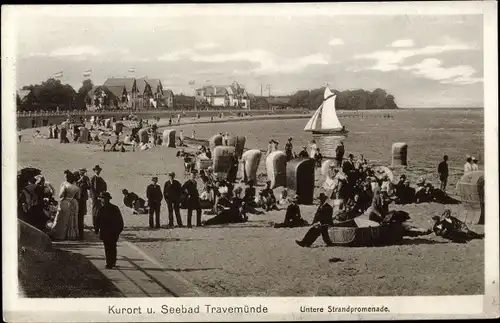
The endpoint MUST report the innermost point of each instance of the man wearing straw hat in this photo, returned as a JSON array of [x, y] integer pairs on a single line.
[[322, 220], [97, 186], [109, 226]]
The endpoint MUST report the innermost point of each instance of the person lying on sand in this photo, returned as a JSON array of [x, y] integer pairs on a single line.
[[402, 218], [227, 212], [133, 201], [451, 228], [293, 218]]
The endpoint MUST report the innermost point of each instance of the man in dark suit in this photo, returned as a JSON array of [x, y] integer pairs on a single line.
[[97, 186], [83, 183], [443, 173], [172, 192], [292, 216], [109, 225], [322, 220], [193, 199], [154, 196], [339, 153], [303, 153]]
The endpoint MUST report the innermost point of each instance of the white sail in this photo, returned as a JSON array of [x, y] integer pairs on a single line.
[[329, 119], [315, 122], [325, 118]]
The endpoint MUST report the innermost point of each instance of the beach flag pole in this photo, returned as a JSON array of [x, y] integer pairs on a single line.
[[59, 75], [192, 83], [132, 70], [87, 74]]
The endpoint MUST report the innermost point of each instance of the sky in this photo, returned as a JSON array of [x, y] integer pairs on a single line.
[[424, 61]]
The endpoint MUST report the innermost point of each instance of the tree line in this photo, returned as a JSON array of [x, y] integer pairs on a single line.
[[346, 100], [52, 94]]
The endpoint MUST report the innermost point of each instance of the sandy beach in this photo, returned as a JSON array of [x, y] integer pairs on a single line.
[[254, 259]]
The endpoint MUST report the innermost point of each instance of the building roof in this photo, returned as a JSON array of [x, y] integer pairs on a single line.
[[154, 84], [223, 90], [126, 82], [117, 91], [215, 90], [23, 93], [140, 83], [93, 89], [168, 93]]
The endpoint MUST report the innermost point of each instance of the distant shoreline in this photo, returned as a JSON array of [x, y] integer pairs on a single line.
[[434, 108]]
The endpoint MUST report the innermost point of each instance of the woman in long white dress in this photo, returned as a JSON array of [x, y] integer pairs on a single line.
[[65, 225]]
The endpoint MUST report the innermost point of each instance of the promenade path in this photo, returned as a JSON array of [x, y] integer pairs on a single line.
[[136, 273]]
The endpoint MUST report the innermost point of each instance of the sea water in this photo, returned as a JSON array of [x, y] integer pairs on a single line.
[[327, 144]]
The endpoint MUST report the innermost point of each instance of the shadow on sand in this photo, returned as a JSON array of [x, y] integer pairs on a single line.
[[134, 238], [62, 274], [404, 241]]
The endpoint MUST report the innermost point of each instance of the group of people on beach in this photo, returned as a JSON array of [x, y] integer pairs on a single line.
[[64, 219]]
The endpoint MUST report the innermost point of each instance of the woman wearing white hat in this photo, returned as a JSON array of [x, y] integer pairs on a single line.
[[474, 165]]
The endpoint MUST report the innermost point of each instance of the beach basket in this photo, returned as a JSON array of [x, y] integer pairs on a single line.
[[251, 159], [366, 236], [470, 189], [214, 141], [300, 177], [399, 154], [203, 163]]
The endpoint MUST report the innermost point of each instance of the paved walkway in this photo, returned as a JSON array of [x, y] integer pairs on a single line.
[[136, 274]]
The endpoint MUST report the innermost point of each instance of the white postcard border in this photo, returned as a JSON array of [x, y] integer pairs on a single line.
[[84, 310]]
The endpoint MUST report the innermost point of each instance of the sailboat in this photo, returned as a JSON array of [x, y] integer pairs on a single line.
[[325, 120]]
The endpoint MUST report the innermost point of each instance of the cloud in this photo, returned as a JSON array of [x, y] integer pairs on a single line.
[[431, 68], [206, 45], [80, 52], [176, 55], [402, 43], [336, 42], [390, 60], [267, 61], [76, 51]]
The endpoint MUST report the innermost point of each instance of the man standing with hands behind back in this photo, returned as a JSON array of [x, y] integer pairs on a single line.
[[154, 196], [109, 226], [443, 173], [172, 192], [97, 186], [193, 200]]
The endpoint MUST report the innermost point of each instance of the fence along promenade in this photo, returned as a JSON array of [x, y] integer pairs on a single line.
[[149, 112]]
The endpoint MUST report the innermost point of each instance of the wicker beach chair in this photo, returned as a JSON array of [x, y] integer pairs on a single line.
[[355, 236]]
